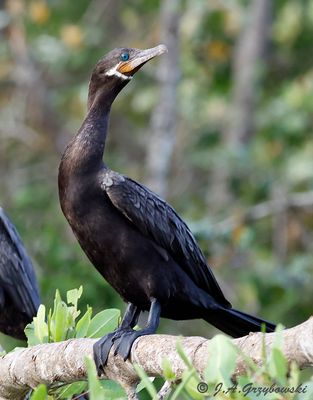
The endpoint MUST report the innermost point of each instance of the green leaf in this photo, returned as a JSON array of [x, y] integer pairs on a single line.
[[278, 366], [190, 385], [104, 322], [146, 380], [179, 389], [57, 300], [222, 360], [40, 393], [168, 372], [59, 325], [294, 374], [52, 314], [68, 391], [95, 389], [142, 386], [40, 325], [279, 338], [112, 390], [187, 375], [182, 354], [74, 295], [30, 334], [83, 324]]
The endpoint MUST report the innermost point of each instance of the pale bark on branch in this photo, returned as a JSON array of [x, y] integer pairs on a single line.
[[64, 361]]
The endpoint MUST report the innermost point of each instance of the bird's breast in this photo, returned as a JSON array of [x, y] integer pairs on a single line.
[[133, 264]]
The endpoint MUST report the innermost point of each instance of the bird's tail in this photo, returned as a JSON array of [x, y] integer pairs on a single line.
[[236, 323]]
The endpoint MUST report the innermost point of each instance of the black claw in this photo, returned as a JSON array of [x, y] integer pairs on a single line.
[[122, 340], [124, 344], [102, 348]]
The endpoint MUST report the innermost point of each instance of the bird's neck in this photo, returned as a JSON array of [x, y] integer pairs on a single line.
[[85, 152]]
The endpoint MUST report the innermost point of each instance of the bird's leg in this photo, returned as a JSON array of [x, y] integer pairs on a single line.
[[124, 343], [130, 317], [102, 347]]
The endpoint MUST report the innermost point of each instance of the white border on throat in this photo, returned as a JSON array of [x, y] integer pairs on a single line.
[[114, 72]]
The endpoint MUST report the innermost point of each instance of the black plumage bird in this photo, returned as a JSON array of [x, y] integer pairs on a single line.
[[134, 238], [19, 295]]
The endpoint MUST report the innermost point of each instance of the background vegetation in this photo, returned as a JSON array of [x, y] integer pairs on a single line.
[[237, 160]]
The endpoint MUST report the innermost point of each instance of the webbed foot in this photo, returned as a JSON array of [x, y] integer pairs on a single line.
[[102, 347], [123, 338], [124, 343]]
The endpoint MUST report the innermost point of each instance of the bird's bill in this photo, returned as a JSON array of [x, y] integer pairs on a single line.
[[139, 58]]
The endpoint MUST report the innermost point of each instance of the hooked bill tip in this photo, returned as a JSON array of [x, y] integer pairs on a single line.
[[161, 48]]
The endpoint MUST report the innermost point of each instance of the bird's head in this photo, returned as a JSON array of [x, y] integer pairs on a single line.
[[117, 68]]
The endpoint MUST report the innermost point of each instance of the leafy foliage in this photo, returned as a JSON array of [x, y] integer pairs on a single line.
[[62, 323], [272, 380]]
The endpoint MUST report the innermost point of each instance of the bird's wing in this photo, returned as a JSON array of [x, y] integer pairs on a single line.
[[17, 277], [158, 220]]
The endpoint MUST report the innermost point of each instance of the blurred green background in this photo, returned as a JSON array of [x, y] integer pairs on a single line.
[[221, 127]]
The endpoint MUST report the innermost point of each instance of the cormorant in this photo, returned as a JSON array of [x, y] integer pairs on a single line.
[[19, 295], [137, 241]]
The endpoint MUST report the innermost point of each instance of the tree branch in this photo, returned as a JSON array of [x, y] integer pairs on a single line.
[[53, 363], [249, 56], [266, 209]]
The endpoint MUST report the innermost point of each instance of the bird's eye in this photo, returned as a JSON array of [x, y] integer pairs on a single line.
[[124, 56]]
